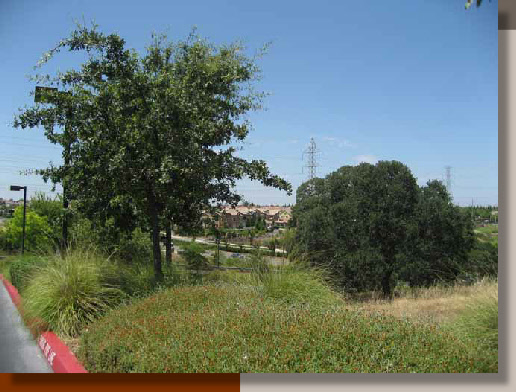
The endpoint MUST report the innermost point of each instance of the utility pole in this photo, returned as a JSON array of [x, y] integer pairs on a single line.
[[311, 152]]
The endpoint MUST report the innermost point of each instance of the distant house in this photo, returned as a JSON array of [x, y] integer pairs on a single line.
[[240, 216], [10, 203], [232, 218]]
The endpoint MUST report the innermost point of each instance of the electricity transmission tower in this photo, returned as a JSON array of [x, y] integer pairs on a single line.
[[310, 153], [448, 179]]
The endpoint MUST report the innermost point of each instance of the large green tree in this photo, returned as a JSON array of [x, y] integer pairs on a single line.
[[441, 238], [152, 135], [372, 224]]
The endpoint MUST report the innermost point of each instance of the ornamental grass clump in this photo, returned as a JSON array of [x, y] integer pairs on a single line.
[[68, 293], [299, 286], [22, 269]]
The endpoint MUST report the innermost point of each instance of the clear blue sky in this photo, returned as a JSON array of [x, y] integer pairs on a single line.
[[414, 81]]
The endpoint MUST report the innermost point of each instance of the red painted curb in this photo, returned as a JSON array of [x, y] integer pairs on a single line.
[[13, 292], [58, 355]]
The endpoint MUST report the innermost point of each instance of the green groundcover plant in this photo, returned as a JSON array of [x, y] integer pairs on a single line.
[[235, 328]]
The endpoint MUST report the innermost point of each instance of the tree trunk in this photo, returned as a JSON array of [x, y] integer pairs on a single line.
[[168, 244], [156, 248], [386, 284]]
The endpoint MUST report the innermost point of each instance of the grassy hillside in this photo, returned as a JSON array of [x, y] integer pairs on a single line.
[[225, 327]]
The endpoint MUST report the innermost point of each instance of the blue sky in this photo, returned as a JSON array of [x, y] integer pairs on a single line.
[[414, 81]]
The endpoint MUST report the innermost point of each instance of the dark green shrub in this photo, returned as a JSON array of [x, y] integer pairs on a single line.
[[128, 247], [51, 209], [4, 242], [136, 247], [37, 232], [483, 260], [192, 254]]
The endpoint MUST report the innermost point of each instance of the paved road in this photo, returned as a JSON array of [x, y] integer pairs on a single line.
[[19, 352], [273, 260], [209, 242]]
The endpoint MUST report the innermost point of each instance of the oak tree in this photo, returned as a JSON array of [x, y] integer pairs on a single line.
[[154, 135]]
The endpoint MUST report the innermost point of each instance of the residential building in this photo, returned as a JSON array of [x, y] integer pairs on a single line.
[[240, 216]]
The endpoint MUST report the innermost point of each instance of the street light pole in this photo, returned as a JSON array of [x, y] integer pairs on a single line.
[[19, 188]]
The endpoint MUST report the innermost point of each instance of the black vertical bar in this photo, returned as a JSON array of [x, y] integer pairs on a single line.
[[24, 215]]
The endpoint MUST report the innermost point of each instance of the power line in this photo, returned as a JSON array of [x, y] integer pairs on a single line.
[[38, 146]]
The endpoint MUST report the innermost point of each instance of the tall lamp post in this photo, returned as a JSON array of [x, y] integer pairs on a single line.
[[19, 188]]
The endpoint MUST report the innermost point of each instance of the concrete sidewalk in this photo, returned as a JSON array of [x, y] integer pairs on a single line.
[[19, 352]]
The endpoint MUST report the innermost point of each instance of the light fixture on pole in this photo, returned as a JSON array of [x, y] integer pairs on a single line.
[[19, 188]]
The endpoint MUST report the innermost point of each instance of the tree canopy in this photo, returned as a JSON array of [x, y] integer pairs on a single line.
[[372, 224], [152, 136]]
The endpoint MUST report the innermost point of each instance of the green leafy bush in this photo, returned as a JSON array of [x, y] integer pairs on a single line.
[[4, 242], [37, 232], [51, 209], [82, 234], [136, 247], [483, 260], [68, 293], [192, 254]]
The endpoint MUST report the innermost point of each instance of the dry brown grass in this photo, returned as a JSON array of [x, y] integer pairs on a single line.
[[433, 305]]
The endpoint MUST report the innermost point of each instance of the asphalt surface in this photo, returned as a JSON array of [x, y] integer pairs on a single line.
[[19, 353]]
